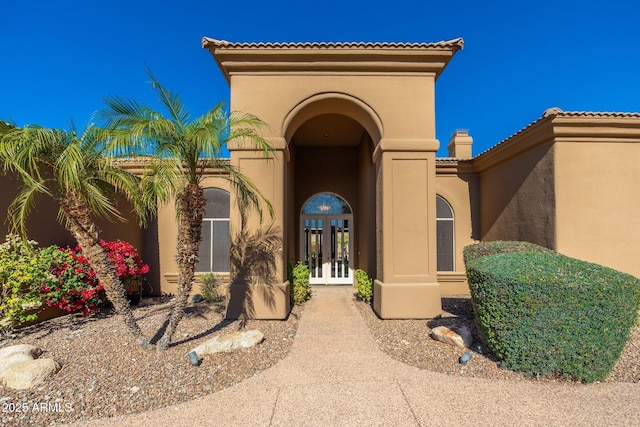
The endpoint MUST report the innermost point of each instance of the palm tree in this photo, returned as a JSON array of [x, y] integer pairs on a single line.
[[73, 170], [184, 149]]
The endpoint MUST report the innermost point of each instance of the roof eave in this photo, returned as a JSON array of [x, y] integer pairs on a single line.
[[319, 57]]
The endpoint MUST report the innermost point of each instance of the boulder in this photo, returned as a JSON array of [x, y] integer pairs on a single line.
[[25, 349], [16, 354], [20, 367], [458, 336], [29, 374], [229, 342]]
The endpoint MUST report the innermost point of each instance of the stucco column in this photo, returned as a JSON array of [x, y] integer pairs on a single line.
[[258, 275], [407, 285]]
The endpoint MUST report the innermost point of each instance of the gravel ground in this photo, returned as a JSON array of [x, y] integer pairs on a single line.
[[409, 341], [104, 373]]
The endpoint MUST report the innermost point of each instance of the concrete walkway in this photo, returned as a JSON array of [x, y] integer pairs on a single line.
[[335, 375]]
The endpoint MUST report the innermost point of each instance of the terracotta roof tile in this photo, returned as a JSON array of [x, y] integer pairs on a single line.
[[557, 112], [455, 45]]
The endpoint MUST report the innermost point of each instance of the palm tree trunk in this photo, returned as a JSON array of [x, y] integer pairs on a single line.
[[83, 229], [191, 204]]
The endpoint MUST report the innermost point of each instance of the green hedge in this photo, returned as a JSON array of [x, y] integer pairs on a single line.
[[500, 247], [546, 314]]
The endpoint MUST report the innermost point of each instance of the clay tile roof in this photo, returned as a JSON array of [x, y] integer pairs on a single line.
[[449, 159], [557, 112], [595, 114], [455, 45]]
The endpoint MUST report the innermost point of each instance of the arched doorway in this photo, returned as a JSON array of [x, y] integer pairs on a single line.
[[326, 232]]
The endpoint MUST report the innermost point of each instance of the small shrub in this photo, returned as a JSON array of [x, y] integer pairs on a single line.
[[364, 286], [299, 282], [210, 288], [77, 288], [546, 314], [22, 271], [478, 250]]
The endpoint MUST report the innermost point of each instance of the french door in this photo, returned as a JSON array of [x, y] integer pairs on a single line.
[[327, 245]]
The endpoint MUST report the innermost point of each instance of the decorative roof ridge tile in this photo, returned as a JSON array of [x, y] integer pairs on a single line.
[[455, 44], [149, 159], [450, 159], [597, 114]]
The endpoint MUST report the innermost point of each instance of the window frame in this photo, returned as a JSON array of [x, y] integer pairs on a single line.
[[440, 220], [211, 220]]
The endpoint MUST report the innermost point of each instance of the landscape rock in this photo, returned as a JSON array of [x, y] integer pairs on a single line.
[[229, 342], [457, 336], [19, 353], [29, 374], [21, 369]]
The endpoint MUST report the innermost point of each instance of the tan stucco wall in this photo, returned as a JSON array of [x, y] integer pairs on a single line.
[[167, 236], [365, 217], [406, 103], [458, 186], [568, 181], [395, 104], [518, 192], [42, 225], [598, 202]]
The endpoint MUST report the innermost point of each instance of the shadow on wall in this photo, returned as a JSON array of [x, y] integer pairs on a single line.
[[150, 251], [518, 199], [254, 258]]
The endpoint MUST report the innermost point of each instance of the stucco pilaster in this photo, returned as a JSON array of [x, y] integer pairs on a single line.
[[258, 276], [407, 285]]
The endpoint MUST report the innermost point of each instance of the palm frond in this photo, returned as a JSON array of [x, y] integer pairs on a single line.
[[70, 166], [170, 100], [248, 196], [19, 209]]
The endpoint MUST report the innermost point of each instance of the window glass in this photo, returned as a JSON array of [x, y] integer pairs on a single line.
[[221, 246], [216, 239], [326, 204], [443, 210], [217, 203], [445, 235], [204, 254]]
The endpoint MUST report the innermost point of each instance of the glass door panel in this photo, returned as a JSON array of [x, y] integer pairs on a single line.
[[326, 247]]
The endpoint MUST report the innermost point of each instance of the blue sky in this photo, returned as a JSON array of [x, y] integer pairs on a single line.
[[60, 59]]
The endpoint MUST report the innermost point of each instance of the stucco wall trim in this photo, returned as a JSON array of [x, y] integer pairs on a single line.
[[405, 145], [533, 137], [332, 102]]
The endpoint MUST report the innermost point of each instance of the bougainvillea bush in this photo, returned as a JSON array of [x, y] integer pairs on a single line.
[[125, 259], [77, 287]]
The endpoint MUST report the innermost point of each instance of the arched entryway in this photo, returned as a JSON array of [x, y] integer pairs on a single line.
[[331, 197], [327, 236]]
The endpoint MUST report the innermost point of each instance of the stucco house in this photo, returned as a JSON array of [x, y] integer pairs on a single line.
[[355, 181]]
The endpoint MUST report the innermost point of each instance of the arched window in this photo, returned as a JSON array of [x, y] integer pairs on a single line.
[[326, 204], [216, 238], [445, 232]]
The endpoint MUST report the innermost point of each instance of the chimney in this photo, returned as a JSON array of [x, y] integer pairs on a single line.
[[460, 145]]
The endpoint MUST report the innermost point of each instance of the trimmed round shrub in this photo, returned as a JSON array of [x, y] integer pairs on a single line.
[[478, 250], [546, 314]]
